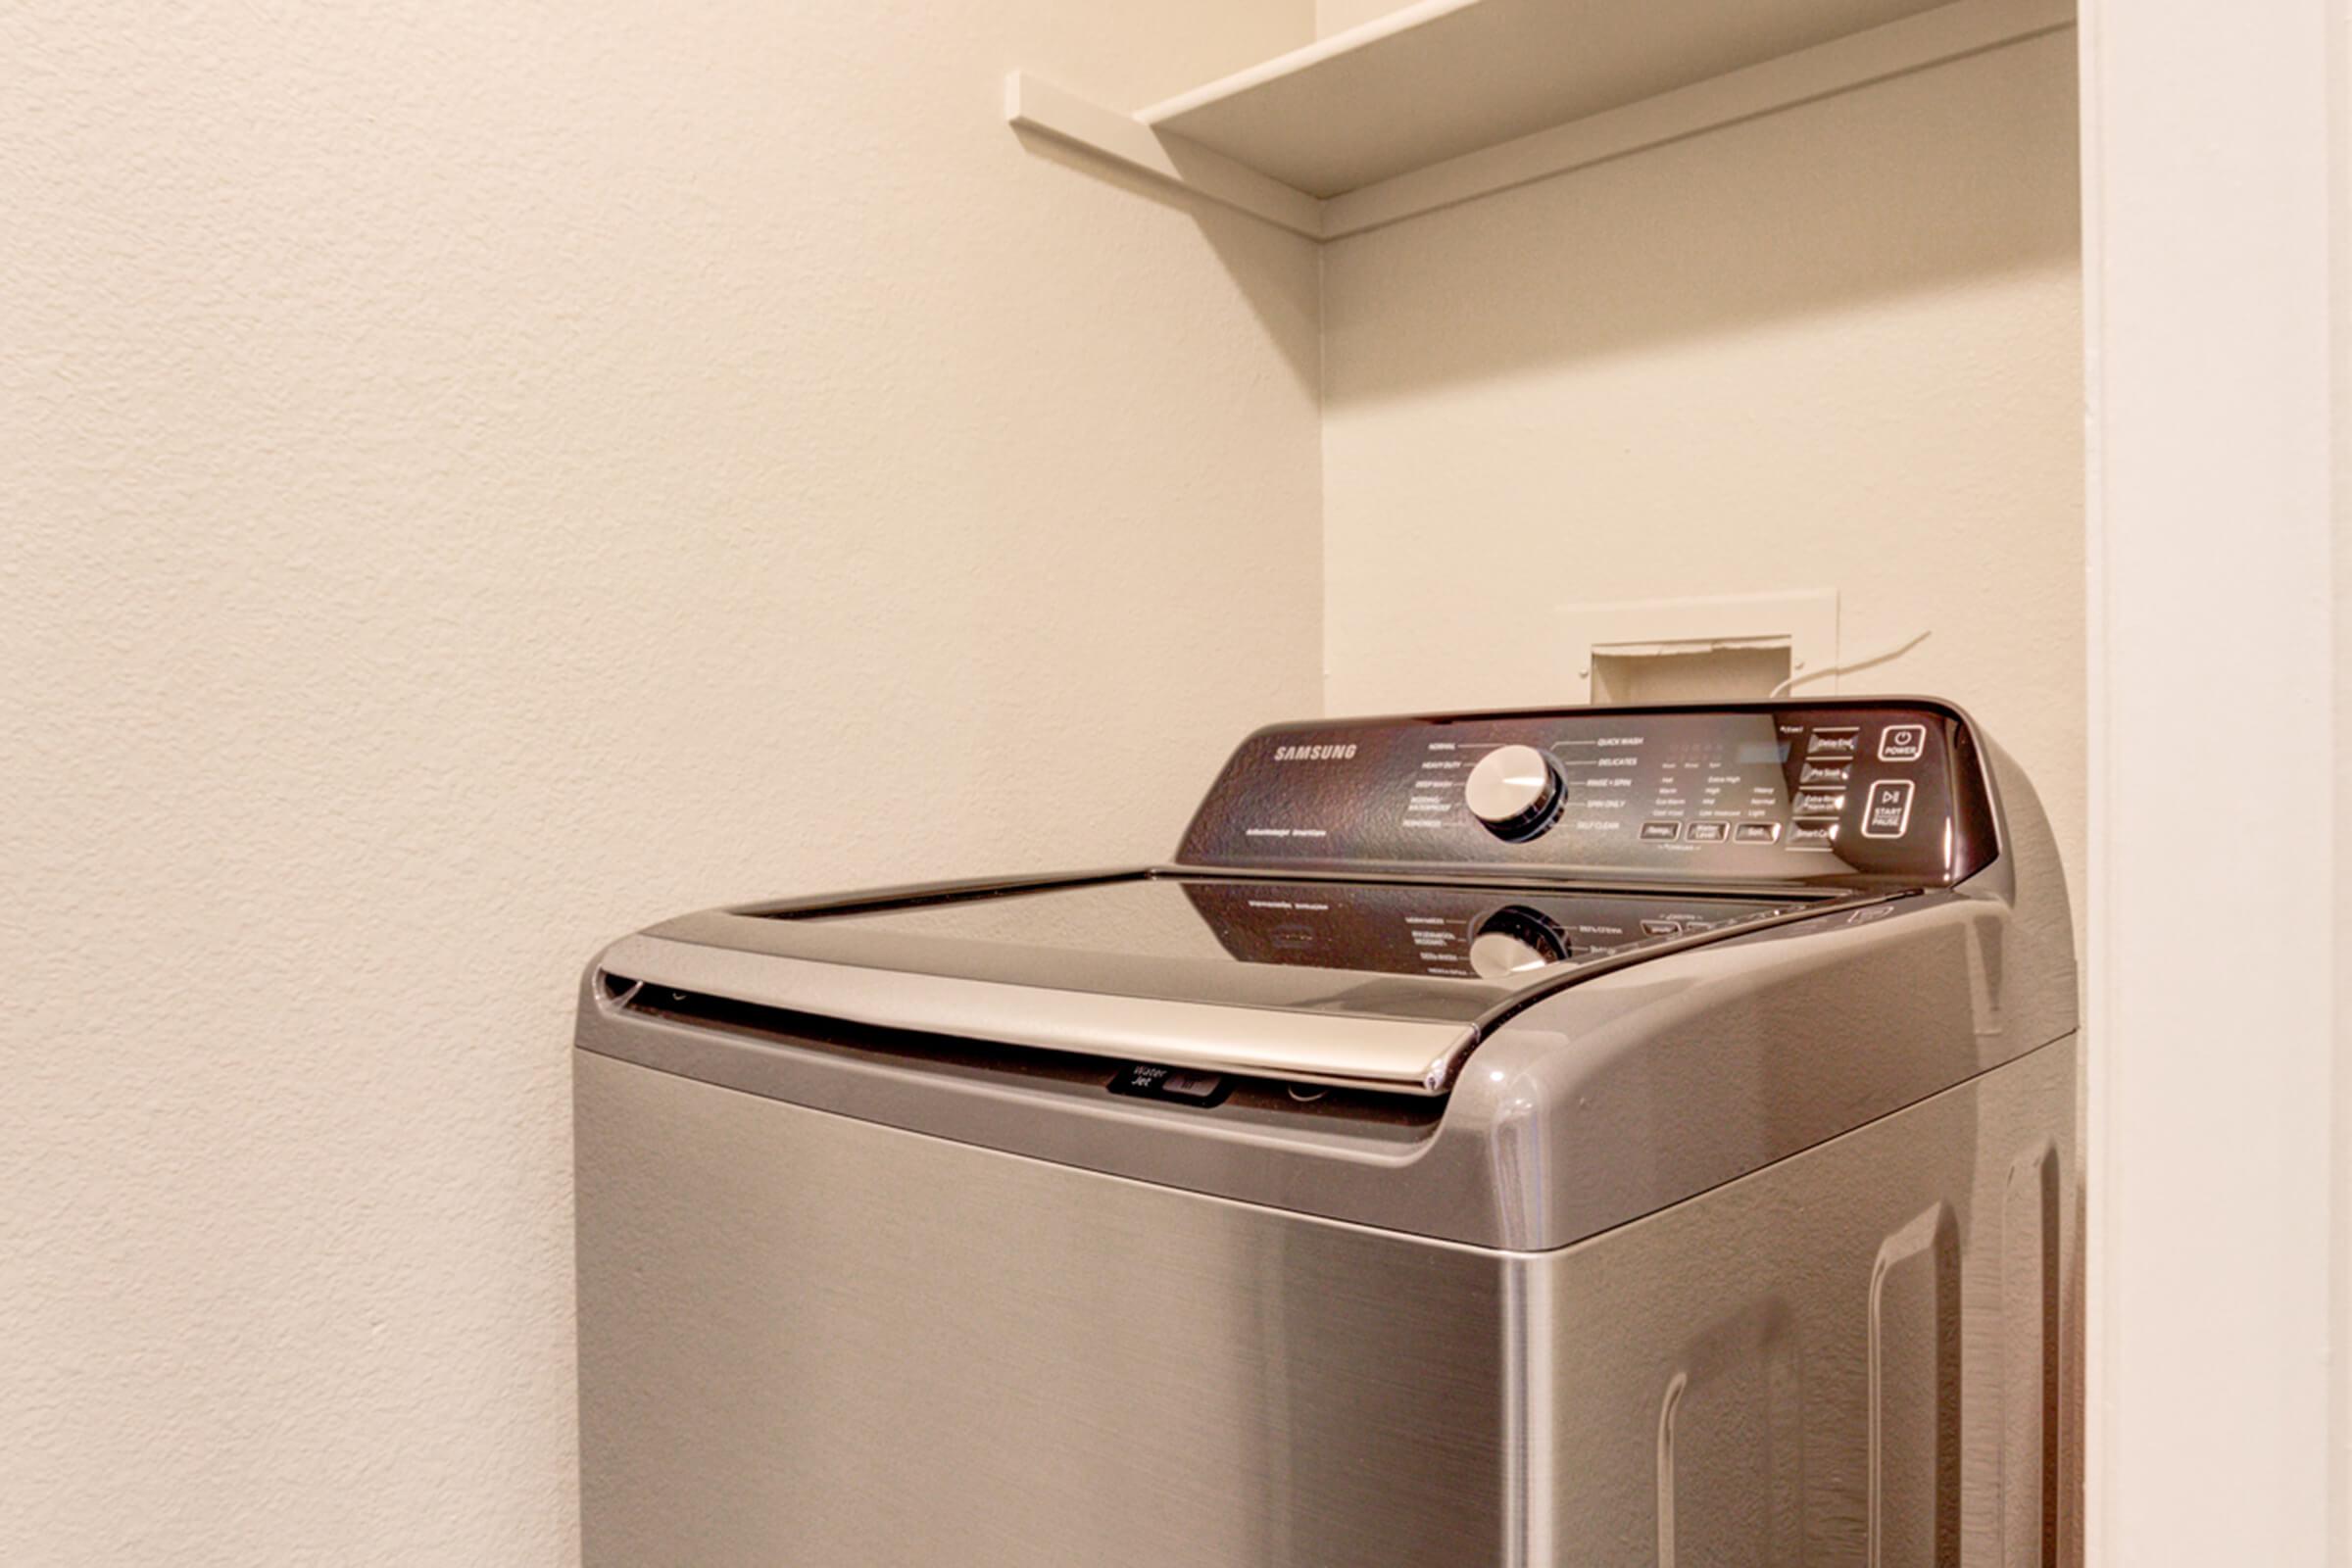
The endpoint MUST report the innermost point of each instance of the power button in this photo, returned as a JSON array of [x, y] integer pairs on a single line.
[[1902, 743]]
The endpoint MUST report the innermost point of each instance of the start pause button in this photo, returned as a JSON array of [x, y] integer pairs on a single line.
[[1888, 812]]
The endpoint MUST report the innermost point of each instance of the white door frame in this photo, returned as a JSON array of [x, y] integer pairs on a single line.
[[2214, 183]]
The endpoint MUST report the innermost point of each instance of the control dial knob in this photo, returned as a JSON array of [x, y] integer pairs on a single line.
[[1515, 790], [1514, 940]]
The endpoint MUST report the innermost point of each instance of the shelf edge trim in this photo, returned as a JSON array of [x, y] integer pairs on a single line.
[[1859, 60], [1036, 105]]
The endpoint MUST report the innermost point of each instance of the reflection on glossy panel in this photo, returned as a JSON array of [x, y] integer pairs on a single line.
[[1733, 1423], [1915, 1394], [2031, 1307]]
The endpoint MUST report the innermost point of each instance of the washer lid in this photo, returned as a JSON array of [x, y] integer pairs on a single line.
[[1368, 984]]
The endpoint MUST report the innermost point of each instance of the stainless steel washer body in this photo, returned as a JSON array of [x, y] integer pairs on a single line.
[[1723, 1211]]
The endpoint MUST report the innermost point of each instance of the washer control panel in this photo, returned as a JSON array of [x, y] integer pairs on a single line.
[[1861, 793]]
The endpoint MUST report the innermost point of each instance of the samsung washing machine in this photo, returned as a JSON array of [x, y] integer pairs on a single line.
[[1591, 1137]]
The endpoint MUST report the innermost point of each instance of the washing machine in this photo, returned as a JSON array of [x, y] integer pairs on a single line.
[[1593, 1137]]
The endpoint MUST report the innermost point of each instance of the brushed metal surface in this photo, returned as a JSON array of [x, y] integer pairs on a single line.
[[1867, 1355], [810, 1339]]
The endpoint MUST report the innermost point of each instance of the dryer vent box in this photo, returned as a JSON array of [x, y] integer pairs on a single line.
[[1738, 648], [1711, 672]]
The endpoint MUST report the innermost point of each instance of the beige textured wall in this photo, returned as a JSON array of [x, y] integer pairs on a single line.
[[1838, 346], [1337, 16], [477, 478]]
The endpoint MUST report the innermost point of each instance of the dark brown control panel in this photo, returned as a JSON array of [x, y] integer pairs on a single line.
[[1859, 794]]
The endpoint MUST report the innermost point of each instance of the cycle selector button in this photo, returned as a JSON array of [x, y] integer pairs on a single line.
[[1515, 790]]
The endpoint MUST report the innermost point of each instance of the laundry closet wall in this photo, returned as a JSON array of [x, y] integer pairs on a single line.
[[1838, 346], [479, 478]]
